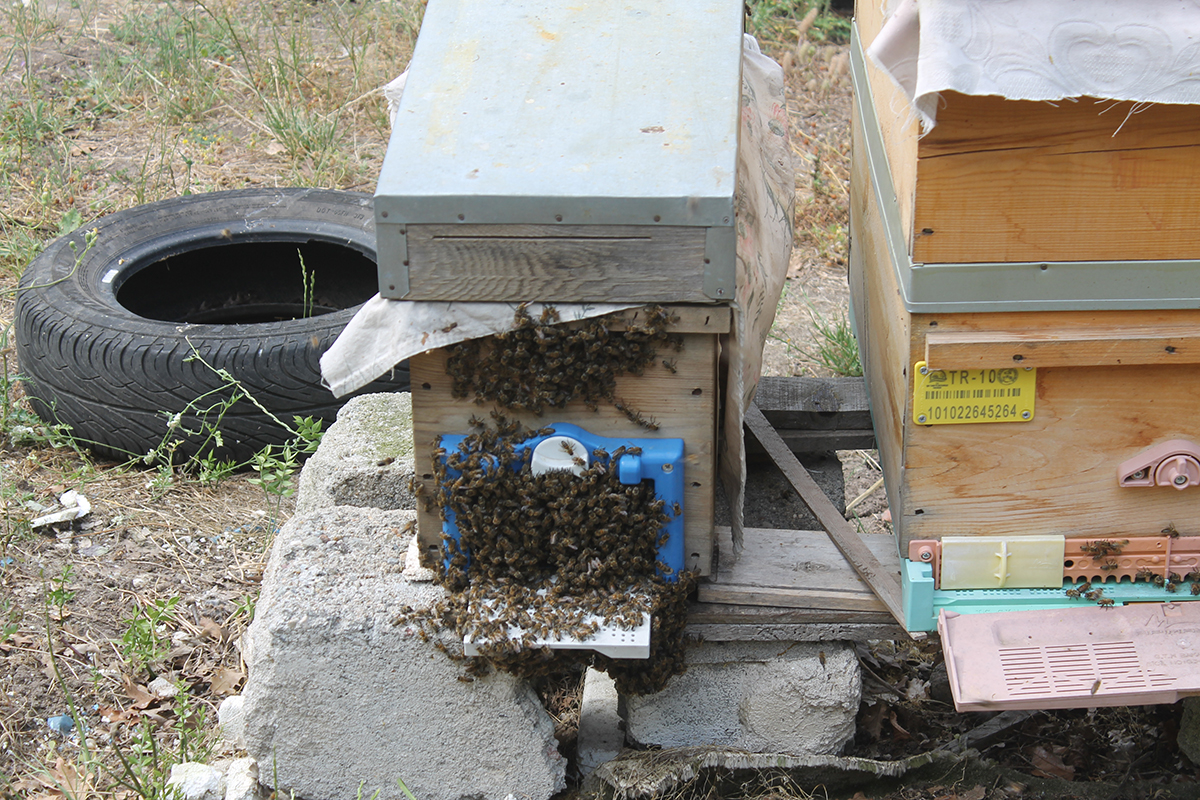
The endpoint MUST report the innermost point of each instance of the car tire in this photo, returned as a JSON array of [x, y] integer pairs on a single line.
[[127, 328]]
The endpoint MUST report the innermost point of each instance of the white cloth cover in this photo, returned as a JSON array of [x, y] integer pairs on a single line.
[[385, 332], [1145, 51]]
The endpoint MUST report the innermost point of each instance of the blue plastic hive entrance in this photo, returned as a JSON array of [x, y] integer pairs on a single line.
[[660, 461]]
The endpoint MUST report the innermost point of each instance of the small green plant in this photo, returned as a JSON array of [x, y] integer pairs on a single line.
[[146, 766], [144, 641], [308, 282], [10, 615], [835, 348], [59, 593]]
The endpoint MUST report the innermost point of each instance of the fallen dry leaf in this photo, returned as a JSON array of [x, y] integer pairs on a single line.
[[224, 680], [212, 630], [1049, 765], [140, 695], [975, 793]]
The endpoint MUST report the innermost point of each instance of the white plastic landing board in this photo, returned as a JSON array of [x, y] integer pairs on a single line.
[[609, 640], [1073, 658]]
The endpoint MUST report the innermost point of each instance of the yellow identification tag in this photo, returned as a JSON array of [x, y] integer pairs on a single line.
[[951, 397]]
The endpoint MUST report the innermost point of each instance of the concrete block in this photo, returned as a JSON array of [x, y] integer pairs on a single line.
[[337, 695], [1188, 737], [601, 731], [781, 697], [365, 458]]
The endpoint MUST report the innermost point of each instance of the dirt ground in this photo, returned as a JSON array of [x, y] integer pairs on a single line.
[[132, 614]]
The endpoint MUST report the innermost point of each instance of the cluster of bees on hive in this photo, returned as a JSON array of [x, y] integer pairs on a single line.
[[1106, 552], [540, 364], [559, 552]]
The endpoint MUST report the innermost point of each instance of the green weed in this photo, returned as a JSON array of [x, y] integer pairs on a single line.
[[60, 593], [835, 348], [144, 641], [775, 20]]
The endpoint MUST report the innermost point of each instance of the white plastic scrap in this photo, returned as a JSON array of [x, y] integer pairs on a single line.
[[74, 506]]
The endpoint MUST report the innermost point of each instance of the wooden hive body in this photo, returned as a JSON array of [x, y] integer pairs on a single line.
[[1022, 234], [682, 402]]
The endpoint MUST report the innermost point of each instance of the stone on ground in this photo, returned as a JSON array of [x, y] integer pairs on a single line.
[[766, 697], [365, 458], [340, 702], [196, 781]]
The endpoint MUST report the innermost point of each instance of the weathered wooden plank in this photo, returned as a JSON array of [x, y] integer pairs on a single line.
[[884, 326], [819, 441], [882, 581], [569, 263], [1034, 205], [972, 124], [814, 403], [1114, 346], [730, 614], [682, 403], [812, 630], [793, 569]]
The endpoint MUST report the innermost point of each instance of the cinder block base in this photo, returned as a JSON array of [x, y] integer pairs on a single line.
[[365, 458], [781, 697], [340, 702], [601, 730]]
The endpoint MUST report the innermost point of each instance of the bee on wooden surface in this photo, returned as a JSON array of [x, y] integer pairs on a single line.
[[1171, 530], [670, 365]]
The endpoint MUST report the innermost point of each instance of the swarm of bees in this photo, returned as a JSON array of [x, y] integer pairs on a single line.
[[541, 364], [556, 552]]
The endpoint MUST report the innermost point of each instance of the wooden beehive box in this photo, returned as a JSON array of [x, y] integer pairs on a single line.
[[1015, 235], [575, 152], [681, 399]]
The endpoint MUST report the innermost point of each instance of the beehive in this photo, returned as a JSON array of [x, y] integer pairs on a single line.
[[566, 154], [1043, 239], [679, 397]]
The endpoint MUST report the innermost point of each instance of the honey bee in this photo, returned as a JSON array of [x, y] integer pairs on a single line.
[[1171, 530], [1072, 593], [1103, 547], [1086, 586], [1144, 575], [670, 365], [567, 447], [1171, 587], [1105, 602], [1109, 566], [1195, 589], [1095, 594]]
